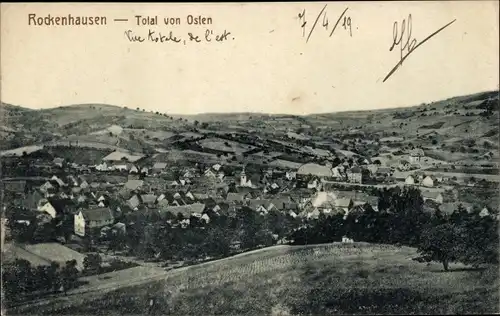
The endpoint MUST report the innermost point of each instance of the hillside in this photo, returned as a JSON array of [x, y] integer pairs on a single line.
[[457, 129], [321, 280]]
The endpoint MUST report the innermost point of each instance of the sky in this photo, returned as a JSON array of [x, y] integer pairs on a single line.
[[265, 65]]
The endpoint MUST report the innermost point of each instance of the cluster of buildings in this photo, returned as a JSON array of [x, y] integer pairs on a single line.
[[97, 197]]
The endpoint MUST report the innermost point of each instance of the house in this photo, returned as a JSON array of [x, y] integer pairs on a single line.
[[73, 181], [430, 181], [134, 202], [372, 168], [347, 240], [186, 211], [200, 196], [32, 200], [484, 212], [134, 170], [284, 203], [313, 169], [133, 185], [358, 210], [119, 229], [48, 208], [82, 198], [216, 167], [419, 175], [205, 218], [47, 188], [221, 208], [355, 175], [59, 181], [41, 254], [416, 156], [314, 184], [102, 167], [367, 201], [58, 162], [404, 165], [338, 172], [290, 175], [433, 196], [450, 208], [410, 180], [85, 220], [383, 172], [18, 188], [210, 173], [148, 199], [189, 173], [250, 182], [344, 204], [235, 197], [314, 214], [118, 156], [273, 187], [159, 167], [470, 182], [320, 199], [84, 184], [260, 206], [439, 177]]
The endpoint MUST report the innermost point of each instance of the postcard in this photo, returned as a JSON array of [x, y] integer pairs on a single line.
[[302, 158]]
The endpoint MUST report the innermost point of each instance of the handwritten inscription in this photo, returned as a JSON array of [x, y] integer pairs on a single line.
[[170, 37], [402, 37], [307, 28]]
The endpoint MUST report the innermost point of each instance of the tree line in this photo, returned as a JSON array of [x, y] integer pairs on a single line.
[[401, 220]]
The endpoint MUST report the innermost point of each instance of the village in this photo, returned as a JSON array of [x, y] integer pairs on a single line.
[[124, 201], [84, 207]]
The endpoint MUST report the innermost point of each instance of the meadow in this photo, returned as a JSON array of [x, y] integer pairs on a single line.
[[337, 278]]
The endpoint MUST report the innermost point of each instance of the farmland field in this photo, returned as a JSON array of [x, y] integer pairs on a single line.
[[336, 278], [225, 145]]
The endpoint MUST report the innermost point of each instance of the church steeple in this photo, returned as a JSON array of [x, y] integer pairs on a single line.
[[243, 177]]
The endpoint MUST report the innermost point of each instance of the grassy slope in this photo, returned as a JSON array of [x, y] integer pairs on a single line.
[[80, 121], [327, 279]]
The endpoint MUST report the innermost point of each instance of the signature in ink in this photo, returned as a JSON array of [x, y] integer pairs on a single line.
[[407, 44]]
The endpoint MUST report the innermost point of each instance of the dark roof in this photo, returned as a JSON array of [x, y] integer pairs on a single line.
[[31, 200], [114, 179], [14, 186], [235, 196], [133, 184], [185, 210], [418, 152], [450, 208], [430, 194], [254, 204], [355, 169], [384, 170], [160, 165], [148, 198], [60, 205], [98, 214], [282, 203]]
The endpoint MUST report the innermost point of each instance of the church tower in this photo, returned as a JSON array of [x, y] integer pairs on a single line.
[[243, 178]]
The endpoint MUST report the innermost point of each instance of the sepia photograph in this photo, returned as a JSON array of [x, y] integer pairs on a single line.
[[282, 159]]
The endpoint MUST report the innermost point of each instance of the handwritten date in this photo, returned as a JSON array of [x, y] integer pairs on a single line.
[[345, 19]]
